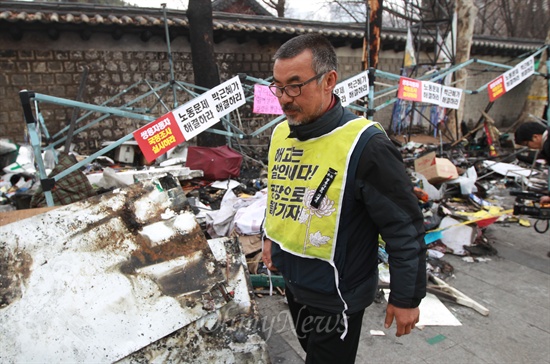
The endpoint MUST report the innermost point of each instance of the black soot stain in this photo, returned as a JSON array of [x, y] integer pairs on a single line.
[[15, 269]]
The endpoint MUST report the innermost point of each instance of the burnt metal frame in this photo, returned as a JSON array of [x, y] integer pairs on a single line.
[[374, 73], [36, 125]]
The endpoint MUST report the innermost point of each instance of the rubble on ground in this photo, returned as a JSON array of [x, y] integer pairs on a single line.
[[125, 276], [461, 190]]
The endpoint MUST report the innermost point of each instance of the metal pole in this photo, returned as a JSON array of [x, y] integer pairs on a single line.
[[75, 110], [367, 62], [548, 106], [94, 108], [170, 61], [367, 31], [34, 137]]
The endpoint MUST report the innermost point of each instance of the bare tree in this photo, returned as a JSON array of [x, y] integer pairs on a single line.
[[278, 5], [401, 13], [396, 14], [349, 10], [501, 18], [513, 18], [100, 2], [467, 13]]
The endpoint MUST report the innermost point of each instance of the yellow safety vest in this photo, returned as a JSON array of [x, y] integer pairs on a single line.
[[306, 182]]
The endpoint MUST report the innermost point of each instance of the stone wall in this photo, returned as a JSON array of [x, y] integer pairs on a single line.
[[55, 68]]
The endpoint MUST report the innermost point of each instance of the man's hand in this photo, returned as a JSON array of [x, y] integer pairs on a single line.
[[406, 319], [266, 255]]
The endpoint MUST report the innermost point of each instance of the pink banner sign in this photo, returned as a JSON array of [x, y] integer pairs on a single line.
[[265, 102]]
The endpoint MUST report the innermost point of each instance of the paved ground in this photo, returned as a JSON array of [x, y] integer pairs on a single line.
[[514, 286]]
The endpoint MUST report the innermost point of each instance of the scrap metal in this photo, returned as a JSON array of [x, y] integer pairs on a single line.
[[127, 276]]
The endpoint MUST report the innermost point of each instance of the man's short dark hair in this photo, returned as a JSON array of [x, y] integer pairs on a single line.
[[524, 133], [324, 55]]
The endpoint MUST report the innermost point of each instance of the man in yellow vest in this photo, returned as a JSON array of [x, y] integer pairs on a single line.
[[336, 183]]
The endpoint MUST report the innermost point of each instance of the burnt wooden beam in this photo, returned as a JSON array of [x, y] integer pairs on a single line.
[[375, 30]]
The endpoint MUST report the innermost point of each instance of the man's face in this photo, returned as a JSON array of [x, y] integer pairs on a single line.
[[314, 98], [535, 142]]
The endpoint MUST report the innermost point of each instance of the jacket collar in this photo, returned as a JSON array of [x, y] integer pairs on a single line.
[[323, 125]]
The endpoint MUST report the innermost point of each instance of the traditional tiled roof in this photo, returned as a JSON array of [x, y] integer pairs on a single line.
[[254, 6], [17, 17]]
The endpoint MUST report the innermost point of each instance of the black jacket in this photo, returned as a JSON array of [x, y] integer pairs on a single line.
[[545, 153], [378, 200]]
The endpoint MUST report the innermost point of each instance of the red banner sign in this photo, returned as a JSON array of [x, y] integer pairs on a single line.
[[496, 88], [158, 137], [409, 89]]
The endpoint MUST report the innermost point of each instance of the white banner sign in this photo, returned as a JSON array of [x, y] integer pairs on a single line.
[[228, 96], [519, 73], [450, 97], [353, 88], [196, 116], [204, 111], [431, 92]]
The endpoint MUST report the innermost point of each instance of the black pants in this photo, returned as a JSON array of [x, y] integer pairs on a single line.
[[319, 333]]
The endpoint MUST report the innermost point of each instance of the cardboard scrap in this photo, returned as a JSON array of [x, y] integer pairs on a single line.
[[436, 170]]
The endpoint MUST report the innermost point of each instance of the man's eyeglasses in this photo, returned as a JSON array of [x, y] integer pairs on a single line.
[[294, 89]]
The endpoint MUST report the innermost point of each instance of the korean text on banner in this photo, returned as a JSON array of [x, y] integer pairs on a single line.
[[496, 88], [526, 67], [431, 92], [519, 73], [228, 96], [409, 89], [450, 97], [196, 116], [265, 102], [190, 119], [353, 88], [158, 137], [511, 78]]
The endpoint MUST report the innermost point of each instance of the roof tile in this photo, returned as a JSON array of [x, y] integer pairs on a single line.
[[75, 13]]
